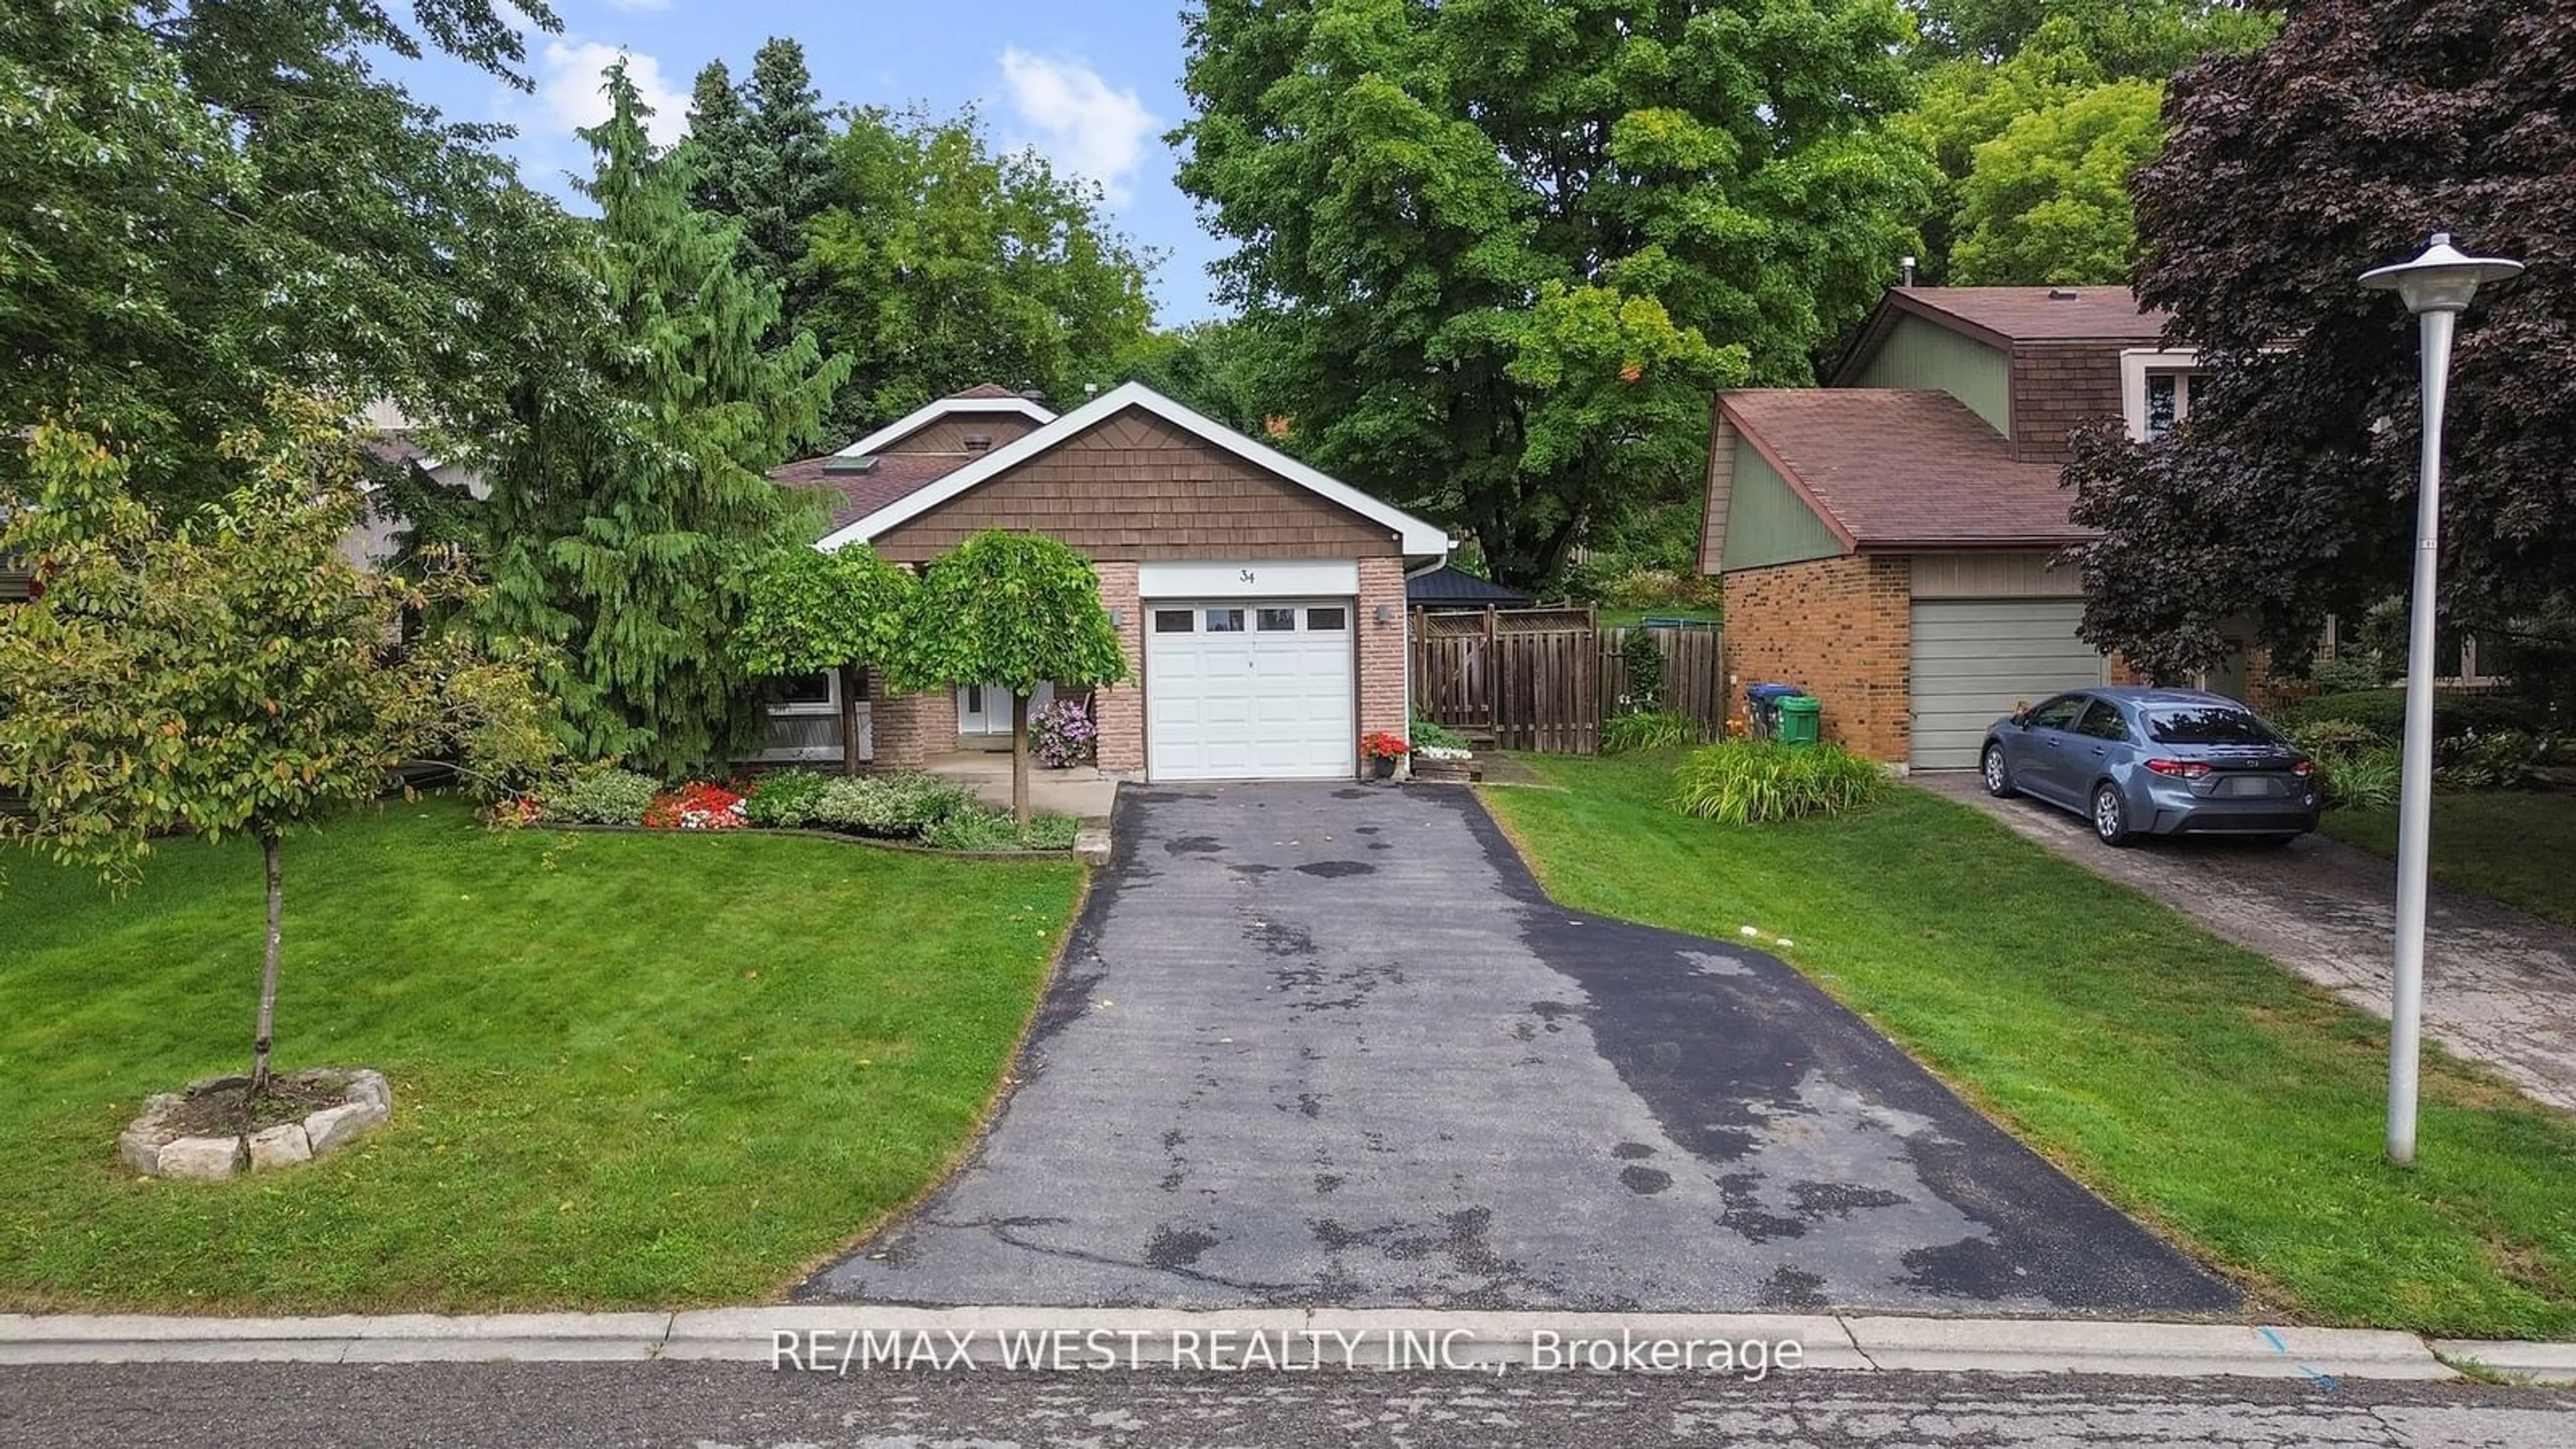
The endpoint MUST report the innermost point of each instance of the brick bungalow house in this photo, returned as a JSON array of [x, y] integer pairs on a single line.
[[1888, 541], [1261, 603]]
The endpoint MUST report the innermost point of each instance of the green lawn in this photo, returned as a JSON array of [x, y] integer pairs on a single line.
[[628, 1069], [2511, 846], [2194, 1084]]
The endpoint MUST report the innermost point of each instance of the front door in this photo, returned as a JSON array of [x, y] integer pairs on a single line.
[[984, 715]]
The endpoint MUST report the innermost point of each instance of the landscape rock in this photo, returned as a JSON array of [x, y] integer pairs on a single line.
[[283, 1145], [368, 1086], [205, 1159], [335, 1127]]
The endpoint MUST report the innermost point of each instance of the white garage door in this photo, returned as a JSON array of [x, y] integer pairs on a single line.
[[1974, 659], [1249, 689]]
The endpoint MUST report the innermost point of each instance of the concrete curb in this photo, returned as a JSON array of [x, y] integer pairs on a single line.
[[863, 1337]]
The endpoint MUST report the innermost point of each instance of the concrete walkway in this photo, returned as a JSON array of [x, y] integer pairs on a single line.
[[2499, 986], [1081, 792]]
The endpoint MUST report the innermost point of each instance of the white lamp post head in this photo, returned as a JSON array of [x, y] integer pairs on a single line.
[[2443, 279]]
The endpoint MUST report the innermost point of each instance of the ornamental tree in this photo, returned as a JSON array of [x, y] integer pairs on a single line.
[[224, 671], [2289, 492], [1018, 609], [1506, 251], [809, 610]]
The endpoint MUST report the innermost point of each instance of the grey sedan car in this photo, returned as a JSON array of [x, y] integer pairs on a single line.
[[2154, 762]]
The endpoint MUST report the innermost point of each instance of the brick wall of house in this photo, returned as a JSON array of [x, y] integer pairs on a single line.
[[1119, 709], [908, 729], [1383, 651], [1840, 628], [2058, 387]]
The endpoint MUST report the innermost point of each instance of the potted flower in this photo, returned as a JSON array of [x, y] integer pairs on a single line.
[[1384, 752]]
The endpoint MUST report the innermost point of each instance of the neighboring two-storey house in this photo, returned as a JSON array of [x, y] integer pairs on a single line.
[[1889, 541]]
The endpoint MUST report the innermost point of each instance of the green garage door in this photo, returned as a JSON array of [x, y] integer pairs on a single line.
[[1974, 659]]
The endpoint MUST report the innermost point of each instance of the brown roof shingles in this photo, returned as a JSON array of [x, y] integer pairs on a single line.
[[1900, 469], [2040, 314], [853, 495]]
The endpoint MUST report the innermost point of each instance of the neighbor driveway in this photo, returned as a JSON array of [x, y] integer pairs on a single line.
[[1330, 1045], [2499, 986]]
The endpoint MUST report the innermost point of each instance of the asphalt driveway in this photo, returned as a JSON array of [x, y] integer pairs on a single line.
[[1330, 1044], [2499, 985]]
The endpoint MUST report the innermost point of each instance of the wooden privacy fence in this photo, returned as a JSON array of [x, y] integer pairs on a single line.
[[1545, 679]]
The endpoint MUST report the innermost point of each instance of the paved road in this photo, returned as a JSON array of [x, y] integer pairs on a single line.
[[644, 1406], [2499, 985], [1330, 1045]]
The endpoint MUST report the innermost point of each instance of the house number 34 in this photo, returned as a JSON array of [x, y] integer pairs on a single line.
[[1247, 575]]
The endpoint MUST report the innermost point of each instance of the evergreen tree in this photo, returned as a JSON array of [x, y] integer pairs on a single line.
[[789, 152], [629, 501], [716, 127]]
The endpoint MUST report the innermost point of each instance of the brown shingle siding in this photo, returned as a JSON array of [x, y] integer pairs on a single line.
[[2058, 387], [1135, 487], [948, 435]]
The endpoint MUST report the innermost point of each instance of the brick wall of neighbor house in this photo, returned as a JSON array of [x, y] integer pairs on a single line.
[[1382, 660], [1119, 709], [2057, 388], [907, 729], [949, 435], [1136, 487], [1841, 628]]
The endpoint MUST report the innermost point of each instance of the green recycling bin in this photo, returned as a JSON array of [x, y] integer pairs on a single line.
[[1799, 714]]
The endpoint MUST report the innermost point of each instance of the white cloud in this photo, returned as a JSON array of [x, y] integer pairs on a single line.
[[571, 89], [1075, 117]]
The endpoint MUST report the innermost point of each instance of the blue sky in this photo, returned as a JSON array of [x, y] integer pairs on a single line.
[[1093, 84]]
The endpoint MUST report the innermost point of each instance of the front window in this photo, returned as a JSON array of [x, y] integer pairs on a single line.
[[2207, 724], [803, 693], [2168, 401]]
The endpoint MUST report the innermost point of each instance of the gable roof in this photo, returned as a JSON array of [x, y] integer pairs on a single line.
[[1892, 469], [1417, 538], [983, 397], [854, 494], [2000, 317]]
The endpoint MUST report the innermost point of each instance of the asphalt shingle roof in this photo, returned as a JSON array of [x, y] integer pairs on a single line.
[[1899, 468], [2044, 314], [854, 495]]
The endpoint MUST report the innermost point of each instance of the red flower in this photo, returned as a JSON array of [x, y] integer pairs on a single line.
[[696, 805], [1384, 746]]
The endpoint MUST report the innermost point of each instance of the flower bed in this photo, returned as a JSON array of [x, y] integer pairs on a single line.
[[900, 807]]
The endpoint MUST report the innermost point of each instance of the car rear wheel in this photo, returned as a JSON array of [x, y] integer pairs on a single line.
[[2110, 816], [1998, 774]]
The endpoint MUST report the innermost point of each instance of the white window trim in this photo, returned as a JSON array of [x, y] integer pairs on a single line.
[[830, 703], [2135, 364]]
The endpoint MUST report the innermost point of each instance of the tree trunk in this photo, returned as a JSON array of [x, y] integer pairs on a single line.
[[268, 966], [1020, 759], [849, 719]]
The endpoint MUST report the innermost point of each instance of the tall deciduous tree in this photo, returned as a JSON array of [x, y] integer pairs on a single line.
[[211, 204], [222, 671], [1019, 609], [811, 611], [1507, 250], [940, 264], [628, 499], [2289, 492], [2037, 112]]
